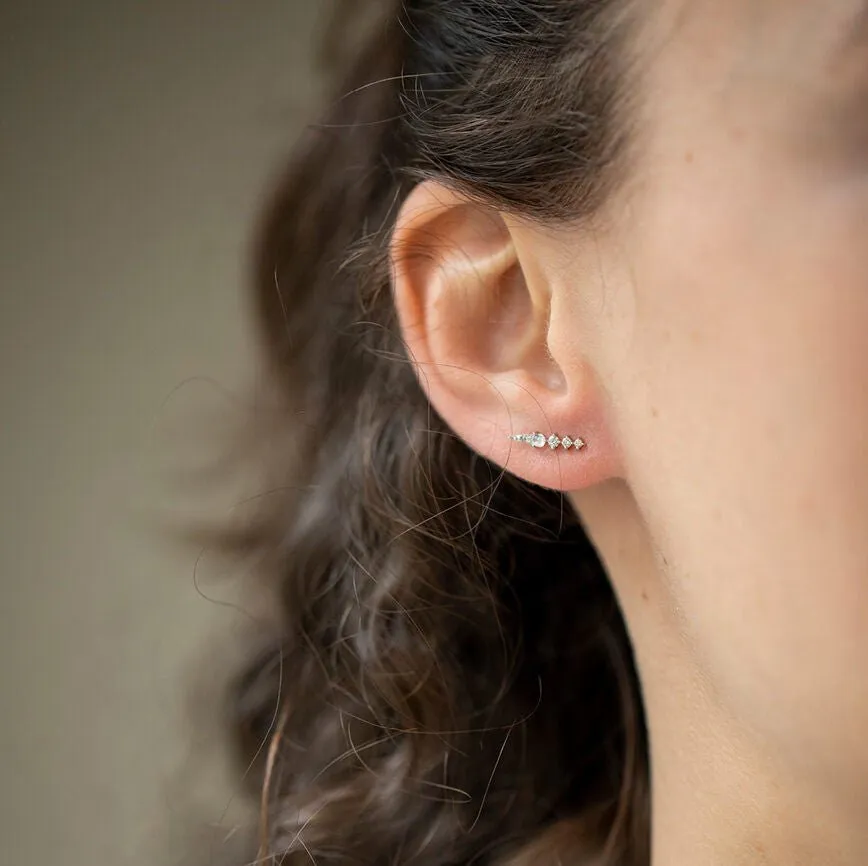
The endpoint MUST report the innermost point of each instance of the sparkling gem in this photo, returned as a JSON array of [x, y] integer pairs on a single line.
[[538, 440], [567, 442], [554, 441], [579, 443]]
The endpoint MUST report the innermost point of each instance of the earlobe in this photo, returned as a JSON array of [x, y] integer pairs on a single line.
[[475, 326]]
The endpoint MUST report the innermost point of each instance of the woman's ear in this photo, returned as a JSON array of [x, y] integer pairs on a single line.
[[474, 308]]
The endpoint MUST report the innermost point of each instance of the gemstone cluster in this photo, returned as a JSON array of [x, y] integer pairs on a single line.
[[540, 440]]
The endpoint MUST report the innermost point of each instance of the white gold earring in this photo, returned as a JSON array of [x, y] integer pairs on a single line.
[[539, 440]]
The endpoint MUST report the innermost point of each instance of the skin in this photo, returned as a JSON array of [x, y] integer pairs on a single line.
[[706, 336]]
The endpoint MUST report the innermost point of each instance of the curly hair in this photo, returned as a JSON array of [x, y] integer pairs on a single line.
[[449, 679]]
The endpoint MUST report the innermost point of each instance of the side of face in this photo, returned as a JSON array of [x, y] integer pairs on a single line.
[[708, 339], [731, 333]]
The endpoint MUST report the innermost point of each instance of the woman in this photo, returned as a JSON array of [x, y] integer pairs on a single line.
[[566, 302]]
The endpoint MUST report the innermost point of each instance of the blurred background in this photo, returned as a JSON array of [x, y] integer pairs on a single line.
[[137, 141]]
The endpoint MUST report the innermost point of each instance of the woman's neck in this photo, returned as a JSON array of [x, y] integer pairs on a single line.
[[719, 797]]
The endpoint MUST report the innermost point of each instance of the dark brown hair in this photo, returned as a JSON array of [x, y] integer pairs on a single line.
[[449, 680]]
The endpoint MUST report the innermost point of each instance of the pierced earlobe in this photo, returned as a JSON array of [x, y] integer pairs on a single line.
[[539, 440]]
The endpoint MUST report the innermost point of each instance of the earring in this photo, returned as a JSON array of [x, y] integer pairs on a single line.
[[538, 440]]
